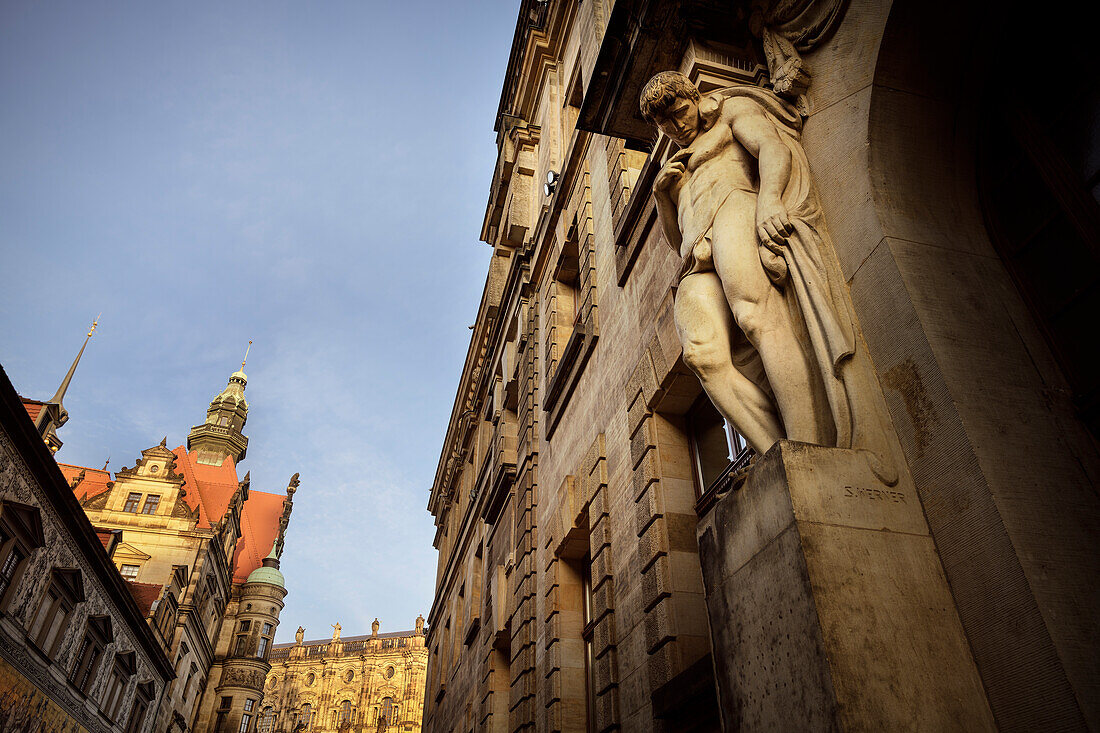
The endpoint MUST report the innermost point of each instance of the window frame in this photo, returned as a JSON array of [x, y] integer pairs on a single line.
[[130, 506], [738, 451], [20, 535], [61, 596], [151, 502], [88, 660], [143, 699], [122, 670]]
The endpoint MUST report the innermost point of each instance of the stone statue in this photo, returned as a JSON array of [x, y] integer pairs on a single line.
[[336, 632], [374, 628], [420, 624], [760, 307], [299, 635]]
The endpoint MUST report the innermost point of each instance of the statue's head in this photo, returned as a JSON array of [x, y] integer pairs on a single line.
[[671, 102]]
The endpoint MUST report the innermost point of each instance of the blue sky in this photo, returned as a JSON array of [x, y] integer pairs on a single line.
[[311, 176]]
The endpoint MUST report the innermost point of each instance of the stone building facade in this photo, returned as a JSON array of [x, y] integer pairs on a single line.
[[76, 653], [610, 554], [358, 683]]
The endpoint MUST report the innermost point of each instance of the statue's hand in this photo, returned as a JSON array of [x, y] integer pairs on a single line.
[[772, 224], [672, 172]]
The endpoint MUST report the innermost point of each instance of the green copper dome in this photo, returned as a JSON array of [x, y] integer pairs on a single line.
[[268, 572]]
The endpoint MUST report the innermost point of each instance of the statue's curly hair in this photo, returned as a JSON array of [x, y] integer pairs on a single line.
[[661, 91]]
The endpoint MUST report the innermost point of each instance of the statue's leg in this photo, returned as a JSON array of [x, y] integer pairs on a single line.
[[705, 326], [762, 313]]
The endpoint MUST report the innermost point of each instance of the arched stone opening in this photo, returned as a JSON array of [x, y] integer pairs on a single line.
[[989, 422]]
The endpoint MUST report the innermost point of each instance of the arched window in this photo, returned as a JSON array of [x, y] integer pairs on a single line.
[[305, 716], [345, 712], [388, 712], [267, 720]]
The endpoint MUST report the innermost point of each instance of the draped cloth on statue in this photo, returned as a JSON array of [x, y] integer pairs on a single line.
[[810, 281]]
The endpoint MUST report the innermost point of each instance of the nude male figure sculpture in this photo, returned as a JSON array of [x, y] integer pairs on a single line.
[[758, 310]]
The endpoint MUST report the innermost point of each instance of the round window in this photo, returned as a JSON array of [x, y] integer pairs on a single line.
[[389, 672], [310, 679], [349, 675]]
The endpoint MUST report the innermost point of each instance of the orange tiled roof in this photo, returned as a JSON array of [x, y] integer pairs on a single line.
[[33, 407], [94, 483], [208, 487], [259, 528], [144, 594]]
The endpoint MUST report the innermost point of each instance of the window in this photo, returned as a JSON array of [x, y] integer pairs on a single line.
[[123, 668], [65, 590], [586, 634], [97, 636], [388, 712], [129, 572], [7, 571], [241, 647], [265, 641], [132, 502], [151, 503], [224, 707], [267, 720], [305, 716], [246, 718], [142, 700], [20, 535], [715, 445], [345, 712]]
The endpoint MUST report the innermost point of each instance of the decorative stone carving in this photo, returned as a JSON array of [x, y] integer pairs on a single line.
[[788, 28], [250, 678], [336, 632], [760, 307], [299, 635]]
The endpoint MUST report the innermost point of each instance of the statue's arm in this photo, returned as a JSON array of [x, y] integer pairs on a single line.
[[663, 186], [666, 213], [752, 128]]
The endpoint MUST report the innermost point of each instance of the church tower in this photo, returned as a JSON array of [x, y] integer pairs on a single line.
[[221, 435]]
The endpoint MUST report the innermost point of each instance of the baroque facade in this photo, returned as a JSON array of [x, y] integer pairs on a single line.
[[358, 683], [918, 552], [198, 549]]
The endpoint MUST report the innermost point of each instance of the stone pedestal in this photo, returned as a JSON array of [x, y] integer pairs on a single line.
[[829, 609]]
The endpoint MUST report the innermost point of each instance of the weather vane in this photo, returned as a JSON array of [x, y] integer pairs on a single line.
[[96, 323], [246, 353]]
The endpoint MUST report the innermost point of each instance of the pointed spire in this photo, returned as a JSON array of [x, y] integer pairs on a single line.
[[60, 394], [164, 442], [106, 463], [221, 434]]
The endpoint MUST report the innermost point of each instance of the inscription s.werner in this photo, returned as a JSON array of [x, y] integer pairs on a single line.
[[860, 492]]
